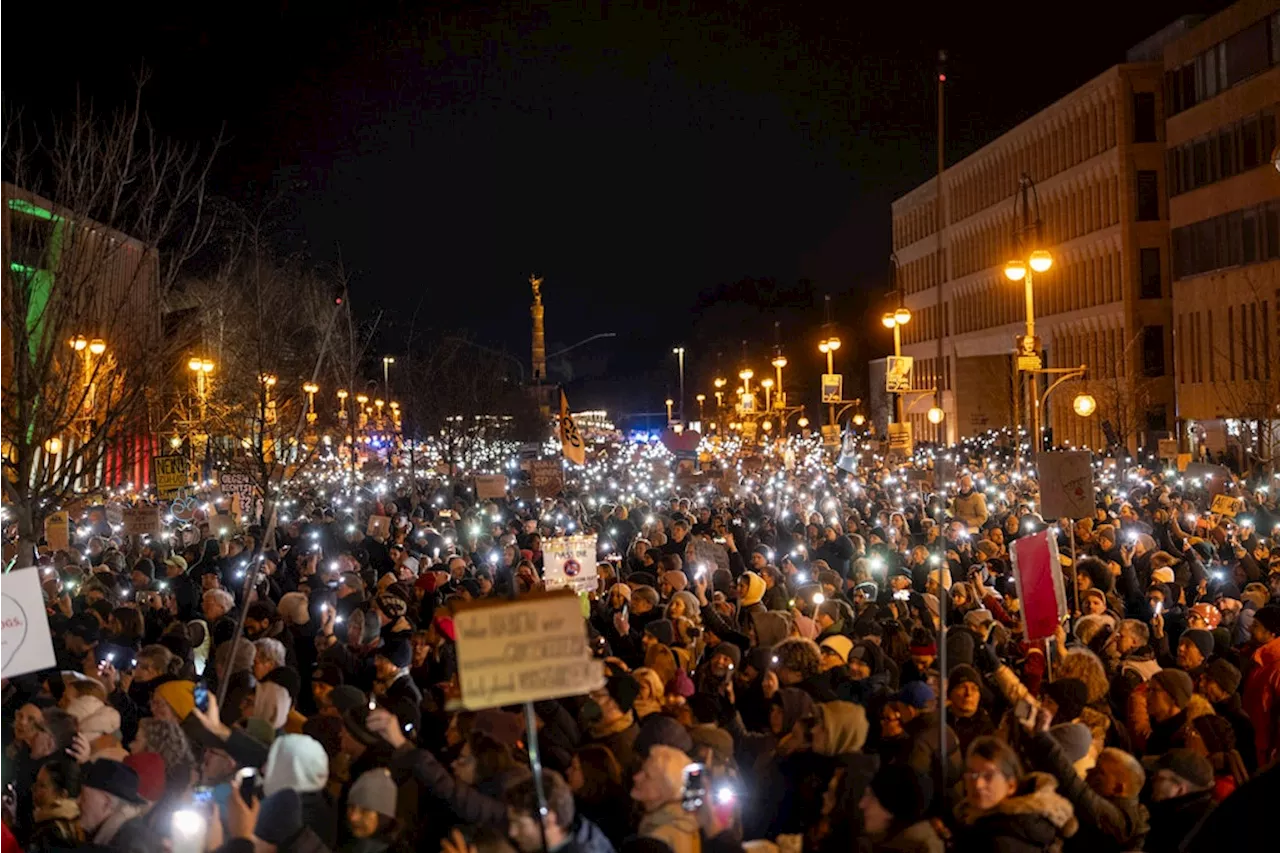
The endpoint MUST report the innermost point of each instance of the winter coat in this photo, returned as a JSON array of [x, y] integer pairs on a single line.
[[919, 837], [674, 826], [1157, 738], [1173, 820], [56, 827], [1105, 824], [586, 837], [467, 805], [970, 508], [620, 737], [1033, 819], [1262, 700]]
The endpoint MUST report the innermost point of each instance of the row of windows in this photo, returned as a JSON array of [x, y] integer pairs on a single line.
[[1244, 54], [924, 374], [1101, 350], [1066, 216], [915, 224], [1233, 239], [923, 273], [924, 326], [1230, 150], [1245, 347]]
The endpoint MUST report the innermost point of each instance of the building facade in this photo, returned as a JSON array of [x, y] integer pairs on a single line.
[[1097, 159], [1222, 88]]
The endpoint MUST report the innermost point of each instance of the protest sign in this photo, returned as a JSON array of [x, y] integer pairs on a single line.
[[547, 476], [24, 626], [242, 485], [143, 521], [1040, 591], [569, 561], [57, 530], [1225, 505], [1167, 448], [1212, 478], [900, 439], [173, 474], [524, 650], [379, 526], [1066, 484], [489, 486]]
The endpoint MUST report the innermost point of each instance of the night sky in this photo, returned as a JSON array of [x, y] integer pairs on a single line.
[[645, 157]]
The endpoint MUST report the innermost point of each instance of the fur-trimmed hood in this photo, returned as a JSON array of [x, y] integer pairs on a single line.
[[1037, 796]]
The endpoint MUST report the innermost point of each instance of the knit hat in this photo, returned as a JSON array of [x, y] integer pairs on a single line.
[[624, 690], [917, 694], [963, 674], [1070, 695], [1074, 738], [150, 769], [730, 651], [662, 630], [1201, 639], [393, 607], [345, 697], [1177, 684], [398, 652], [755, 589], [903, 791], [177, 561], [1185, 763], [375, 790], [444, 624], [677, 580], [806, 627], [1162, 575], [719, 741], [1269, 617], [180, 695], [839, 645], [659, 729], [280, 817], [1224, 674]]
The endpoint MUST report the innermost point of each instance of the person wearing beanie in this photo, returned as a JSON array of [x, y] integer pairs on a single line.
[[835, 651], [1195, 647], [1220, 683], [1262, 687], [371, 809], [658, 632], [966, 713], [391, 667], [671, 582], [893, 808], [606, 718], [1214, 738], [1181, 783], [150, 769], [1171, 705], [174, 700]]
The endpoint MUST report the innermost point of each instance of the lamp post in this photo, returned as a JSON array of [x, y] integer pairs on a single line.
[[311, 388], [342, 404], [895, 320], [779, 362], [720, 383], [201, 367], [767, 385], [678, 352], [745, 375], [828, 348], [1029, 258], [670, 403], [701, 398], [387, 361]]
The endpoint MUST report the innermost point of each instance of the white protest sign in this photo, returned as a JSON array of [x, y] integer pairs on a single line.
[[1066, 484], [569, 562], [524, 650], [27, 645]]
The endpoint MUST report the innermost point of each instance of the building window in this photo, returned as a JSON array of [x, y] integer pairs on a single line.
[[1248, 52], [1149, 274], [1213, 356], [1144, 116], [1153, 350], [1231, 342], [1148, 196], [1157, 419]]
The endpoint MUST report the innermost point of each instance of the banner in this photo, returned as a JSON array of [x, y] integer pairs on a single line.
[[525, 650], [848, 459], [57, 530], [897, 374], [1040, 592], [832, 387], [570, 561], [245, 486], [25, 642], [571, 443], [173, 474], [1066, 484], [143, 521], [490, 486], [900, 439]]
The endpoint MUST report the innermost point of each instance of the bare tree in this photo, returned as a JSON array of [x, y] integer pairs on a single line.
[[1124, 398], [1246, 380], [101, 214]]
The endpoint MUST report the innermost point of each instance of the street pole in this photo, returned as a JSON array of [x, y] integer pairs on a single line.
[[942, 225], [681, 353]]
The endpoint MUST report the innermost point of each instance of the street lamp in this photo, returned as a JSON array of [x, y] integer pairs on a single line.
[[670, 403], [342, 403], [779, 362], [720, 383], [936, 415], [859, 419], [828, 348], [1084, 405], [387, 361], [701, 398], [53, 446], [1029, 259], [803, 422], [78, 343], [311, 388], [895, 320], [767, 385], [745, 375], [679, 353]]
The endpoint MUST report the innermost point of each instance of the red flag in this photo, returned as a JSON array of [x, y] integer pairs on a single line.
[[1040, 592]]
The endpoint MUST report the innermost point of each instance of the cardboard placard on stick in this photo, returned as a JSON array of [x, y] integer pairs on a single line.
[[379, 526], [1066, 484], [523, 650], [143, 521], [489, 486], [1041, 594], [25, 642], [1225, 505], [57, 530], [570, 561]]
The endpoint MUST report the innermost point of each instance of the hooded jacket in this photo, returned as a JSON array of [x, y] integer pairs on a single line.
[[299, 763], [1033, 819]]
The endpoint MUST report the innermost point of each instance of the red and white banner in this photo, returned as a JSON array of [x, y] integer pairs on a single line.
[[1041, 594]]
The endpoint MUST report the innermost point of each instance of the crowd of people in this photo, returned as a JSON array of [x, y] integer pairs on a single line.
[[836, 666]]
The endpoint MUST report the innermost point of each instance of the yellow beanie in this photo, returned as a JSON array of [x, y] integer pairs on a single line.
[[180, 695]]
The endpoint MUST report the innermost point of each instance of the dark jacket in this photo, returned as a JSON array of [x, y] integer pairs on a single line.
[[436, 782], [1172, 821], [1032, 820]]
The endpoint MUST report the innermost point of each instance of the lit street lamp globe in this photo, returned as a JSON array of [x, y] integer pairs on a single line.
[[1041, 260], [1015, 270], [936, 415], [902, 316], [804, 423], [859, 420], [888, 320], [1084, 405]]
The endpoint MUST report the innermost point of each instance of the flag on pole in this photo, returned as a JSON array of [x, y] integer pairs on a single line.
[[571, 443]]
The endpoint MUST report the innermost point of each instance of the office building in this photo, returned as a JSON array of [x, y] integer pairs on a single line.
[[1096, 157], [1222, 89]]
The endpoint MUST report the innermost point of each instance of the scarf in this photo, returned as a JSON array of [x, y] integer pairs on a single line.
[[122, 814], [63, 808]]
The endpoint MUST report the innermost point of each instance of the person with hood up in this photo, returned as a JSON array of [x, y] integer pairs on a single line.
[[566, 830], [893, 809], [1007, 810], [657, 787], [299, 763]]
